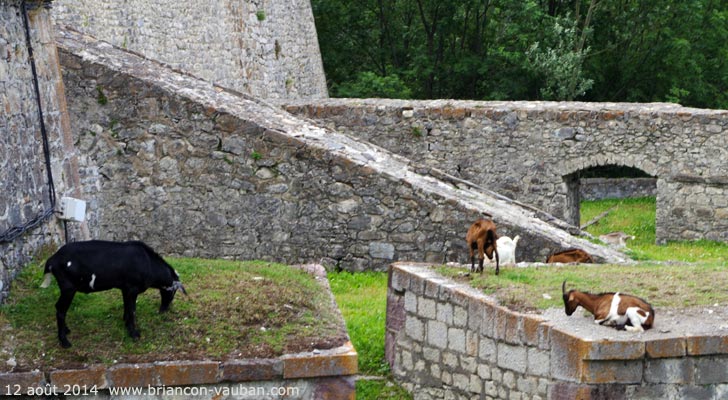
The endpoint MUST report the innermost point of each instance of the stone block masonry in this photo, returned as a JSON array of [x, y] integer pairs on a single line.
[[25, 193], [320, 375], [533, 151], [490, 352], [617, 188], [267, 49], [197, 170]]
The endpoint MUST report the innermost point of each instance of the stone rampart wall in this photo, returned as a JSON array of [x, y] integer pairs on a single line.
[[532, 151], [449, 341], [25, 193], [267, 49], [616, 188], [196, 170]]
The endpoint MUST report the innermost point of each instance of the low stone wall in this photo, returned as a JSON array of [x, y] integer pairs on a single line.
[[617, 188], [449, 341], [326, 374]]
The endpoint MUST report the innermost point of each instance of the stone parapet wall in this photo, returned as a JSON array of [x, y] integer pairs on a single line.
[[617, 188], [196, 170], [267, 49], [327, 376], [449, 341], [532, 151], [25, 192]]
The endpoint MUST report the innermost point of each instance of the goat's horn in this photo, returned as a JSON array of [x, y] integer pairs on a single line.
[[180, 286], [563, 288]]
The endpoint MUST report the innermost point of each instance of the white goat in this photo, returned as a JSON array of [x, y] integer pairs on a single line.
[[507, 249], [616, 239]]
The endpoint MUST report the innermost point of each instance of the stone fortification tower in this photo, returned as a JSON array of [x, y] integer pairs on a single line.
[[264, 48]]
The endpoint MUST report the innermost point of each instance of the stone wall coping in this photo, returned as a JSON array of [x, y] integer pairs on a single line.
[[448, 107], [339, 361], [467, 343]]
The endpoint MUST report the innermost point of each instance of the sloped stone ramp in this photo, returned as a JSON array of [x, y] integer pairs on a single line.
[[224, 175]]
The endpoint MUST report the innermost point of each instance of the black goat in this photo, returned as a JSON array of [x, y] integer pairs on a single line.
[[96, 265]]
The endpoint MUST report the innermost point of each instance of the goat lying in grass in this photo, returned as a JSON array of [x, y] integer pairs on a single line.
[[96, 265], [569, 256], [616, 239], [621, 311], [482, 236]]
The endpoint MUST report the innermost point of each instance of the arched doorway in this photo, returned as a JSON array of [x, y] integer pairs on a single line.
[[604, 182]]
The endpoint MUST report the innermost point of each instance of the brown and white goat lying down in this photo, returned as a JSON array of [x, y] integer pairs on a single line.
[[622, 311], [482, 236]]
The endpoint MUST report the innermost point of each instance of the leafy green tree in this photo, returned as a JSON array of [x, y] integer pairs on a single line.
[[594, 50], [661, 51], [561, 63], [369, 84]]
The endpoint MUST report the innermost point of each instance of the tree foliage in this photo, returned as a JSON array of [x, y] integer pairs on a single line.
[[593, 50], [561, 63]]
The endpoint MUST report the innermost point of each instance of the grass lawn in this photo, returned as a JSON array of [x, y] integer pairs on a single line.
[[663, 285], [679, 274], [362, 298], [637, 217], [268, 308]]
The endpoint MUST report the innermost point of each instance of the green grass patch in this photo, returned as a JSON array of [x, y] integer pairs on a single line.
[[637, 217], [382, 389], [234, 310], [663, 285], [362, 298], [679, 274]]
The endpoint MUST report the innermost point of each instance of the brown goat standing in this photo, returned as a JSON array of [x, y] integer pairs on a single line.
[[482, 236], [620, 310], [568, 256]]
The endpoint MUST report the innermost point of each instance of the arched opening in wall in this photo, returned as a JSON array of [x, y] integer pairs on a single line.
[[605, 186]]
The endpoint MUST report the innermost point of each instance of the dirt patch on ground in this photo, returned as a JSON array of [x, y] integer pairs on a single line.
[[11, 361]]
